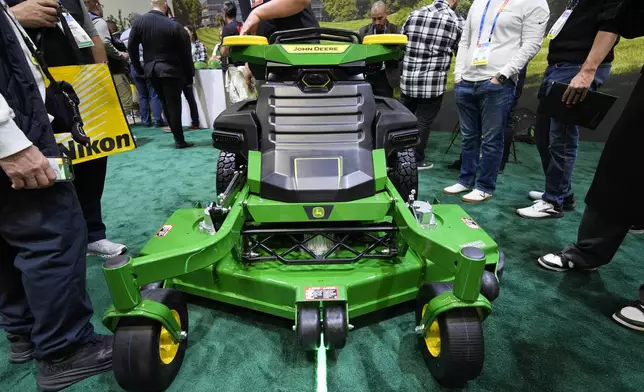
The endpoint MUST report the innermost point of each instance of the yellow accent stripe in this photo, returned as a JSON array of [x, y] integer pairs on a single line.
[[245, 40], [385, 39]]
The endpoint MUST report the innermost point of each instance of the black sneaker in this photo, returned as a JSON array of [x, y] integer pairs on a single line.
[[636, 230], [456, 165], [569, 203], [425, 165], [92, 358], [183, 145], [560, 263], [21, 348]]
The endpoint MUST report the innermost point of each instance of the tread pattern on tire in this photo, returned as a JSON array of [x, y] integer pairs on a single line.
[[404, 172], [226, 166]]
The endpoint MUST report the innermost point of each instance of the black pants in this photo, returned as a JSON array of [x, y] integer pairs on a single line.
[[43, 241], [194, 110], [90, 183], [598, 239], [169, 91], [426, 110], [380, 84]]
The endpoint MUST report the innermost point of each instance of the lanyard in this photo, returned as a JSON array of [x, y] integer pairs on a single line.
[[572, 4], [505, 4], [384, 32]]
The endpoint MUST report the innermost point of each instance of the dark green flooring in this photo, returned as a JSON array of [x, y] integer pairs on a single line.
[[548, 332]]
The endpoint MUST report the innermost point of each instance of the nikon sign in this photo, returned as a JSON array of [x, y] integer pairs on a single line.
[[100, 108]]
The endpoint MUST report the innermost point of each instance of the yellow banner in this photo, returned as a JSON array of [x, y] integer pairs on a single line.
[[100, 108], [308, 49]]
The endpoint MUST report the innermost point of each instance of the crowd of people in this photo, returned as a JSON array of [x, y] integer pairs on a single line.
[[47, 227]]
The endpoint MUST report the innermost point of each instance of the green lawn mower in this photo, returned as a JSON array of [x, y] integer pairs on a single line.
[[317, 219]]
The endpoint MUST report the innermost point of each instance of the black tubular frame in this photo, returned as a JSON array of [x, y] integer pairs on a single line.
[[314, 33], [381, 236]]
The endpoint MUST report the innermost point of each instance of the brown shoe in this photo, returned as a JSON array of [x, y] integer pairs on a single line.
[[194, 128]]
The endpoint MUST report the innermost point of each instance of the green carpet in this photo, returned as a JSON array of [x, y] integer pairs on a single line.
[[548, 331]]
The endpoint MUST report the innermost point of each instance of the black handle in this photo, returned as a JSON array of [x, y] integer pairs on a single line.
[[314, 34]]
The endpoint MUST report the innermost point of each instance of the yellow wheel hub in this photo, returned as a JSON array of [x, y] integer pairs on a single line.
[[433, 338], [167, 347]]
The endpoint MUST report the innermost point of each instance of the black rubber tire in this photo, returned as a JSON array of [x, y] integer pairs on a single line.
[[462, 346], [309, 328], [227, 164], [404, 172], [135, 359], [335, 326]]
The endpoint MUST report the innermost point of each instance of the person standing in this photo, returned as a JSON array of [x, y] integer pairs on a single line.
[[433, 33], [609, 216], [199, 54], [167, 61], [580, 55], [44, 304], [500, 37], [147, 96], [231, 28], [382, 77]]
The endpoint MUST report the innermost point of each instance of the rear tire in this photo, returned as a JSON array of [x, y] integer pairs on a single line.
[[227, 164], [404, 172]]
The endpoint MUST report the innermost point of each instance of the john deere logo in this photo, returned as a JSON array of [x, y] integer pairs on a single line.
[[318, 212]]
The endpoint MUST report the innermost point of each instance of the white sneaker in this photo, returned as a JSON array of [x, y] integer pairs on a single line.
[[477, 196], [636, 230], [105, 248], [558, 262], [455, 189], [540, 210], [631, 316], [535, 195]]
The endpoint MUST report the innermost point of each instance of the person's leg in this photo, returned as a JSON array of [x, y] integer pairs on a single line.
[[159, 86], [495, 104], [632, 316], [172, 88], [124, 91], [144, 100], [155, 103], [542, 125], [598, 239], [509, 133], [426, 111], [470, 119], [192, 103]]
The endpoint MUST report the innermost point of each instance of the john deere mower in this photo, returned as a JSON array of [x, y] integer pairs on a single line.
[[317, 218]]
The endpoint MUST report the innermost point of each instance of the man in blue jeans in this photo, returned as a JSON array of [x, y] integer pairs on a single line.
[[499, 38], [580, 55]]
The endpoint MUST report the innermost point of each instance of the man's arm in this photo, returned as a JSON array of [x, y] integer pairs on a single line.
[[98, 51], [604, 42], [630, 19], [463, 51], [274, 9], [133, 49], [25, 165], [534, 29], [104, 32]]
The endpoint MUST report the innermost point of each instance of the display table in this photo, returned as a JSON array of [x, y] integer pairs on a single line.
[[210, 96]]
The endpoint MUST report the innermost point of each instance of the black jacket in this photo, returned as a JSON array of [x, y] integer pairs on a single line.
[[167, 52], [393, 68], [619, 179]]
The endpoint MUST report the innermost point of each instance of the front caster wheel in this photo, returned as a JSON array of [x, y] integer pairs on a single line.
[[145, 358], [335, 326], [308, 328], [453, 345]]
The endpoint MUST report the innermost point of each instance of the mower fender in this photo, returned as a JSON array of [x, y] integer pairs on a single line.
[[148, 309], [447, 301]]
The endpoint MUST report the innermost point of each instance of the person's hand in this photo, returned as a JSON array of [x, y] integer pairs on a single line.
[[457, 81], [126, 56], [494, 80], [28, 169], [250, 24], [36, 13], [578, 88], [248, 75]]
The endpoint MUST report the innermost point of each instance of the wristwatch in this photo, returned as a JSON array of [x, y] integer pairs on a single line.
[[501, 78]]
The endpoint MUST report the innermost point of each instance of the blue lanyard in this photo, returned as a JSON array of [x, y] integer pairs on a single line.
[[487, 6], [384, 32]]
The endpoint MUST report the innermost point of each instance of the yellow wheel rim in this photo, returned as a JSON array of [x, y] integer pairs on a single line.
[[167, 347], [433, 338]]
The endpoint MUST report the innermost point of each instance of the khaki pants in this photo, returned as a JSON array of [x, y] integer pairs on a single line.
[[124, 91]]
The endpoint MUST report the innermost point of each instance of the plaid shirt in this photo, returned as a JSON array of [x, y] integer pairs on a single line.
[[199, 52], [433, 33]]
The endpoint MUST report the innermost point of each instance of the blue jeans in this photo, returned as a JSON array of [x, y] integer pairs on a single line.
[[557, 142], [147, 96], [483, 114]]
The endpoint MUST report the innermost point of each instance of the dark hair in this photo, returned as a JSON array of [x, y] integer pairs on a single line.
[[230, 9], [193, 33]]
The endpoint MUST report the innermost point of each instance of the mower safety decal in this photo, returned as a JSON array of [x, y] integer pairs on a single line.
[[164, 230], [471, 223], [308, 49], [325, 293]]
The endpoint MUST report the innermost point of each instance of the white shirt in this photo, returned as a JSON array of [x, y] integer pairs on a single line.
[[516, 39], [12, 138]]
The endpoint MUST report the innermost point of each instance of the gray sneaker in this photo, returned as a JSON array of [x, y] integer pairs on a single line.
[[20, 348], [105, 248], [425, 165]]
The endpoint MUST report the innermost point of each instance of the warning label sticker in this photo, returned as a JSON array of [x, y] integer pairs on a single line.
[[471, 223], [164, 230], [321, 293]]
